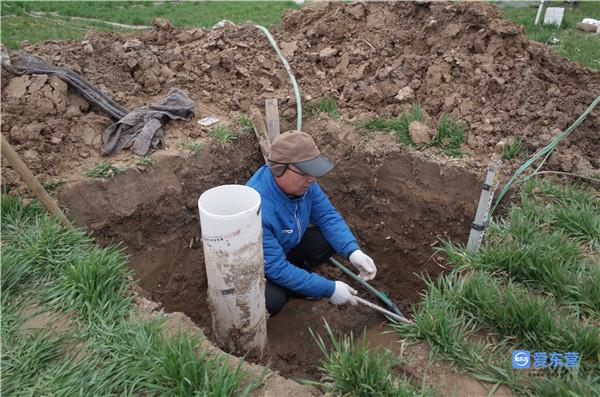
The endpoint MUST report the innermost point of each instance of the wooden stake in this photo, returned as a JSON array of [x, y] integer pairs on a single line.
[[258, 122], [36, 187], [272, 115]]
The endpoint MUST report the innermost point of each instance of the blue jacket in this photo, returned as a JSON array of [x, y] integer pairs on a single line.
[[284, 222]]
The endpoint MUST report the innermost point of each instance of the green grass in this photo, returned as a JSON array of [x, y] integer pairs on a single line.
[[223, 136], [190, 145], [104, 170], [397, 125], [540, 259], [171, 365], [513, 148], [351, 369], [324, 105], [575, 45], [27, 357], [94, 283], [449, 136], [16, 29], [106, 348], [450, 334], [245, 124], [534, 321], [52, 185], [145, 161], [181, 14], [533, 286], [575, 210]]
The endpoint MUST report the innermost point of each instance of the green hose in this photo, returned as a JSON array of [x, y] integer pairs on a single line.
[[289, 71], [381, 295], [546, 151]]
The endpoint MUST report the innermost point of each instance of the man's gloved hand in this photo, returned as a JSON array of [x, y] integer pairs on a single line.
[[343, 294], [364, 264]]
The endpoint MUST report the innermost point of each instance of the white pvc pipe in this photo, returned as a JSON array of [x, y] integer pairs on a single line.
[[232, 238]]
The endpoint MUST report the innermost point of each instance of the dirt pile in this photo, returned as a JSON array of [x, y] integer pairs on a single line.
[[376, 59]]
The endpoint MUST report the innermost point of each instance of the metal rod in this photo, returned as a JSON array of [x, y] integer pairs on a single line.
[[368, 286], [382, 310]]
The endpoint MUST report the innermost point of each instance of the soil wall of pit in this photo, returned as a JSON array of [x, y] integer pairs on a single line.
[[398, 203]]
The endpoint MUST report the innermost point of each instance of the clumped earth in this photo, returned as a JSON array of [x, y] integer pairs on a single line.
[[375, 59], [463, 59]]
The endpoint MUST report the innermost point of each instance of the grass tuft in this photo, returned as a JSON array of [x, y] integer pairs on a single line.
[[15, 274], [246, 127], [145, 161], [190, 145], [352, 369], [574, 211], [94, 283], [223, 135], [398, 125], [324, 105], [25, 358], [172, 365], [104, 170], [449, 136], [450, 333], [513, 149], [52, 185]]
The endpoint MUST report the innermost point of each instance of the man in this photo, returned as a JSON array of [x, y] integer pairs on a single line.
[[301, 228]]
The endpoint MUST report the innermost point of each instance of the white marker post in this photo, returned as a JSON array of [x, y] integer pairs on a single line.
[[485, 200], [539, 12]]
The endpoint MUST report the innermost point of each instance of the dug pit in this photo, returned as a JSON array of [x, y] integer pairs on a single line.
[[398, 202]]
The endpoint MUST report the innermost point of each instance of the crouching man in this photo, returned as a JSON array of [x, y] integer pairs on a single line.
[[301, 228]]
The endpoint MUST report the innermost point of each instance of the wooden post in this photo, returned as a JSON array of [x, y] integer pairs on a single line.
[[36, 187], [258, 122], [272, 116]]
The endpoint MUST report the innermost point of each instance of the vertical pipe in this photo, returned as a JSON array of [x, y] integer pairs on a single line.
[[232, 239]]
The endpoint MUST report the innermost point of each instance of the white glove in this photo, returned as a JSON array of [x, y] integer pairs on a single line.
[[364, 264], [343, 294]]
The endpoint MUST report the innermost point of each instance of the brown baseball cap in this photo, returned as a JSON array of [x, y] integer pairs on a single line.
[[299, 149]]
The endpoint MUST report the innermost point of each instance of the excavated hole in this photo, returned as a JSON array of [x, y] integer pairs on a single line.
[[397, 203]]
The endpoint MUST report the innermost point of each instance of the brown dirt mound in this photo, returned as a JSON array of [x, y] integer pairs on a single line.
[[463, 59]]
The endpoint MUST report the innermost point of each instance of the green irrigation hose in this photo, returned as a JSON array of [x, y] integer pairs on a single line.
[[289, 71], [381, 295], [546, 151]]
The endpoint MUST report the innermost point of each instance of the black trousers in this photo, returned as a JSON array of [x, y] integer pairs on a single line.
[[312, 251]]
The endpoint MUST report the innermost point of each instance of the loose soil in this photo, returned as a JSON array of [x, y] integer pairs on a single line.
[[459, 58]]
